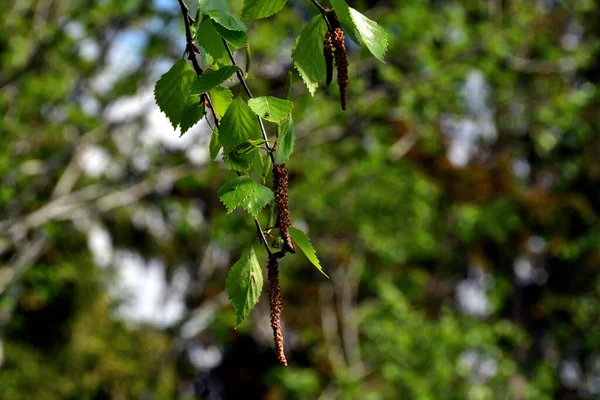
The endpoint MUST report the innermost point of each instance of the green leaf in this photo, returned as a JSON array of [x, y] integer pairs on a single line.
[[192, 113], [211, 79], [207, 5], [210, 39], [205, 58], [238, 125], [226, 20], [372, 35], [271, 108], [172, 90], [258, 199], [267, 167], [244, 284], [241, 161], [215, 145], [221, 98], [308, 53], [245, 192], [343, 12], [306, 246], [235, 38], [285, 144], [256, 9], [234, 192]]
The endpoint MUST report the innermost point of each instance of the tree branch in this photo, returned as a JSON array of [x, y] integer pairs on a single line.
[[205, 96]]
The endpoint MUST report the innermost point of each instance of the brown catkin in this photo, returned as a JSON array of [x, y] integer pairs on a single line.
[[276, 306], [280, 187], [341, 63], [328, 51]]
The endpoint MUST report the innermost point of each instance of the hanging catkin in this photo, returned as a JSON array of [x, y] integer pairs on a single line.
[[341, 64], [328, 52], [280, 187], [276, 306]]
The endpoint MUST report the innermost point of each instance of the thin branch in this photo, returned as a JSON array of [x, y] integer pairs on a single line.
[[323, 12], [320, 7], [212, 109], [23, 260], [188, 36]]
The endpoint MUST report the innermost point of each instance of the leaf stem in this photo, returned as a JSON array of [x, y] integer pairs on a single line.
[[188, 36]]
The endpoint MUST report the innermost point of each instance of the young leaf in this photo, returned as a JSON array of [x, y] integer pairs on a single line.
[[306, 246], [267, 167], [256, 9], [172, 90], [245, 192], [234, 192], [372, 35], [285, 146], [207, 5], [242, 158], [342, 10], [244, 284], [271, 108], [211, 79], [258, 199], [210, 39], [235, 38], [221, 98], [226, 20], [238, 125], [191, 114], [215, 145], [308, 53]]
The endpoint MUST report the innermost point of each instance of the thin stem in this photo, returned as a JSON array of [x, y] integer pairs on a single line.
[[320, 7], [323, 12], [212, 108], [247, 90], [188, 37]]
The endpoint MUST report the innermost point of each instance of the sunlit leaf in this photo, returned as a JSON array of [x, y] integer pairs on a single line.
[[256, 9], [171, 92], [221, 98], [306, 246], [285, 146], [373, 36], [211, 79], [244, 284], [235, 38], [238, 125], [191, 114], [308, 53], [226, 20], [271, 108]]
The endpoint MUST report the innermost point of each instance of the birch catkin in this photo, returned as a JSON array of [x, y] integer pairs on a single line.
[[341, 63], [328, 52], [276, 306], [280, 187]]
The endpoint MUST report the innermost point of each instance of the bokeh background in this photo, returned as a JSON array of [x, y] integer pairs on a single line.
[[455, 206]]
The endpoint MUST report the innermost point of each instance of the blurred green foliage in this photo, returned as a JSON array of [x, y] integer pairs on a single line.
[[454, 205]]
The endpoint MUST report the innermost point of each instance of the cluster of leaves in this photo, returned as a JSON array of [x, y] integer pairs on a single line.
[[184, 94]]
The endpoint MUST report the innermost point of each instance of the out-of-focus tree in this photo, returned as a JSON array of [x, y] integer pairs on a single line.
[[454, 205]]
